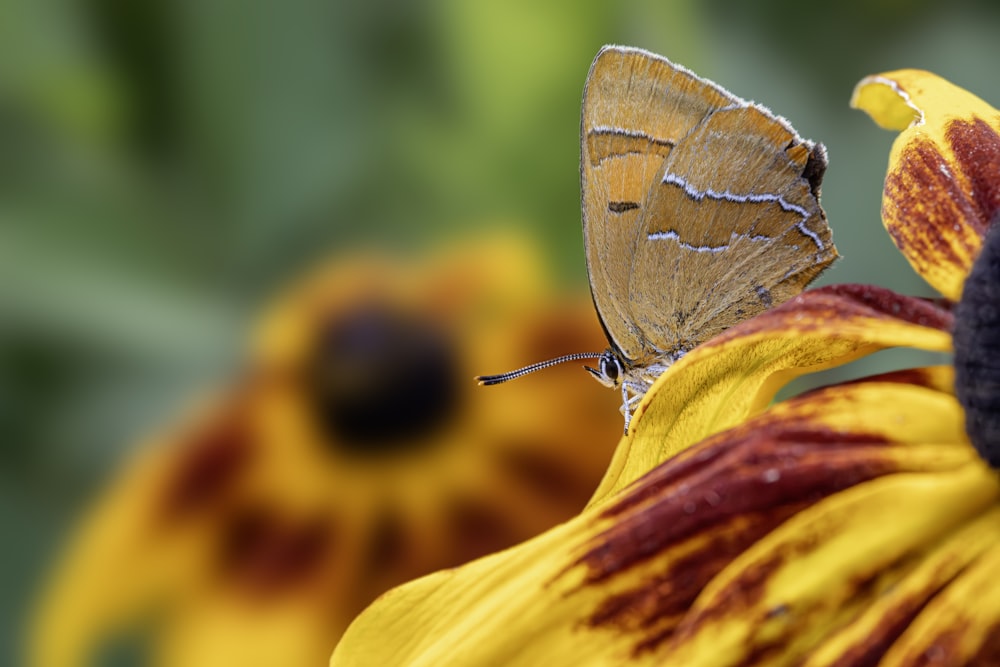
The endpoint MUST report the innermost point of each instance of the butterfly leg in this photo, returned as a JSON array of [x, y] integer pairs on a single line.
[[632, 393], [627, 405]]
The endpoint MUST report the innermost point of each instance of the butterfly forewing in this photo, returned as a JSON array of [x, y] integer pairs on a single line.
[[629, 126]]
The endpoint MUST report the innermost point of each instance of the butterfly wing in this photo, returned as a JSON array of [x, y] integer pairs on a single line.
[[700, 209], [629, 126]]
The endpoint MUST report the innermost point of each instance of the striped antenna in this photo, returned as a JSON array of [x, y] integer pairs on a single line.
[[487, 380]]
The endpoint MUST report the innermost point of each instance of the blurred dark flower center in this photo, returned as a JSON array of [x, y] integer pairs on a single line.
[[382, 379]]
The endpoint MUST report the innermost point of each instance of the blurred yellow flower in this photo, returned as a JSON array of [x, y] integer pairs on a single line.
[[354, 452], [852, 525]]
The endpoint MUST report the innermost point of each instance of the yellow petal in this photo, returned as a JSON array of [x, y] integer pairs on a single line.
[[620, 582], [735, 375], [958, 627], [821, 567], [884, 618], [942, 190], [136, 547]]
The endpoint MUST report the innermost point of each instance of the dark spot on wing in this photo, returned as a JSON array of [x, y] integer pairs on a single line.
[[622, 206], [764, 295]]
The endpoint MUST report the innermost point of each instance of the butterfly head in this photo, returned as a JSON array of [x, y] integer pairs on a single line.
[[609, 371]]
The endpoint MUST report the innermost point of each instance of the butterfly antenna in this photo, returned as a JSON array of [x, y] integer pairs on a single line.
[[487, 380]]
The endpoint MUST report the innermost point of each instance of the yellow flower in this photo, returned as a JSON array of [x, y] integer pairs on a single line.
[[355, 452], [851, 525]]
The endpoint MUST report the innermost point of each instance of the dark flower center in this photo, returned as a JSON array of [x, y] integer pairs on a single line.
[[977, 349], [382, 379]]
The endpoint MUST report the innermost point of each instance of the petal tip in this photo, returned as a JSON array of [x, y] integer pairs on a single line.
[[885, 99]]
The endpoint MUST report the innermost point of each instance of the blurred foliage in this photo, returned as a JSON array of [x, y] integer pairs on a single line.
[[166, 165]]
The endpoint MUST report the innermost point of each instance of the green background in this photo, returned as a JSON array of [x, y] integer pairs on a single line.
[[166, 165]]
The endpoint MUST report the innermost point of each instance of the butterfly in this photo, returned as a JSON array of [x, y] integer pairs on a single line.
[[700, 210]]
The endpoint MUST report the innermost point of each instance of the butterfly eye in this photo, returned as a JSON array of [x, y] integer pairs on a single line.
[[610, 367]]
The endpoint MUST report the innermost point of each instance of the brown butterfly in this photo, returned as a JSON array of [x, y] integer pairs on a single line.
[[700, 210]]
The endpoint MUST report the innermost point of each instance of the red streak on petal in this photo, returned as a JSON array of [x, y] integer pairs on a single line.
[[881, 302], [925, 209], [721, 496], [891, 626], [208, 463], [989, 652], [266, 553], [939, 204], [823, 307], [976, 146]]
